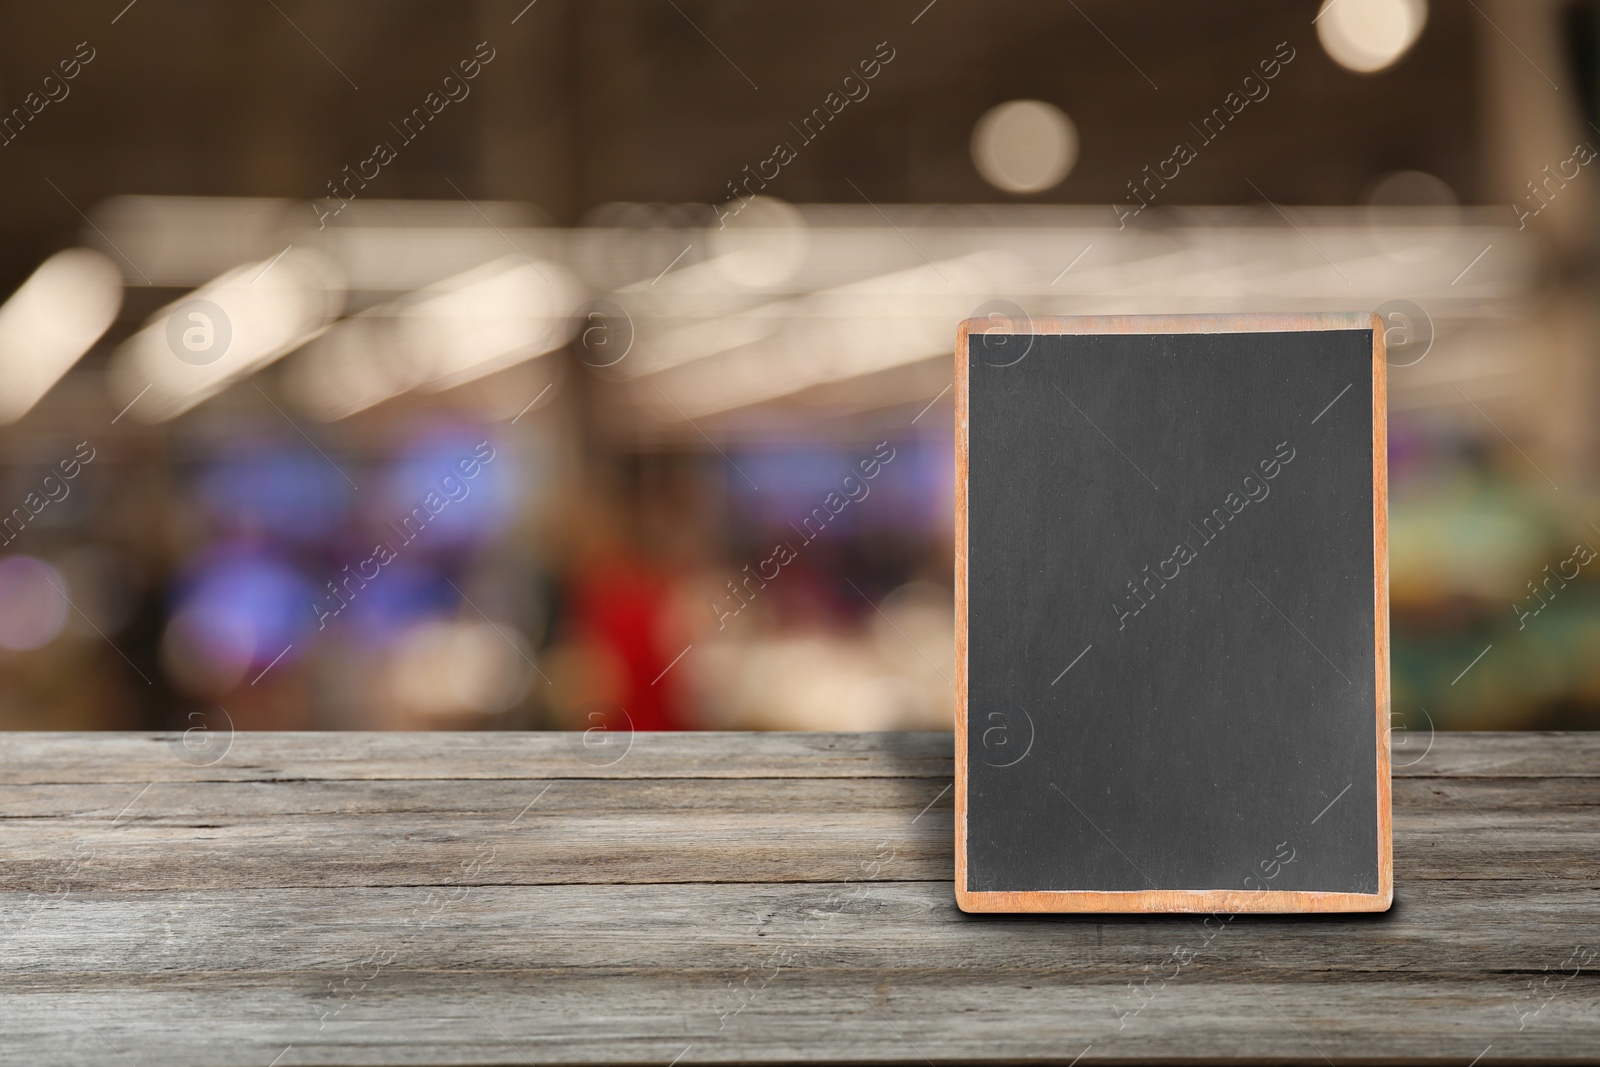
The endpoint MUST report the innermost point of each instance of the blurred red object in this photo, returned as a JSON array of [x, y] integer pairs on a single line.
[[621, 604]]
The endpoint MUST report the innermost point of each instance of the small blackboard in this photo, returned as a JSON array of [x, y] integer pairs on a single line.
[[1172, 641]]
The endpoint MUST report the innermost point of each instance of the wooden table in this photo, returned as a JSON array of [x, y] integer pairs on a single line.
[[520, 898]]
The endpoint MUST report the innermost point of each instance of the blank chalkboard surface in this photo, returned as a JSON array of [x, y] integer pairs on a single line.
[[1172, 614]]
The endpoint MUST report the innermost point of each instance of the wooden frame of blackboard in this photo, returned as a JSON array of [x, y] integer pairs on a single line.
[[1183, 900]]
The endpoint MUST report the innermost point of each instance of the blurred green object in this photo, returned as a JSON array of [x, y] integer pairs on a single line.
[[1486, 633]]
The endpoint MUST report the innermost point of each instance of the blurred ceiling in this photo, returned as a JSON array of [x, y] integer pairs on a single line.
[[588, 103]]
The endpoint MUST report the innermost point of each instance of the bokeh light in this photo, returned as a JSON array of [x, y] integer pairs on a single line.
[[430, 485], [449, 667], [1024, 146], [289, 492], [1370, 35], [33, 603], [239, 609], [759, 247], [51, 321], [405, 593]]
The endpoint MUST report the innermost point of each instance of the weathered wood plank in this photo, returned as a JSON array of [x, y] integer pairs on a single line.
[[779, 972], [217, 755], [1422, 753], [211, 835], [1448, 929], [810, 1017], [381, 905]]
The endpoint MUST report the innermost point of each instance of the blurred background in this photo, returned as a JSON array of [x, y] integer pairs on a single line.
[[399, 364]]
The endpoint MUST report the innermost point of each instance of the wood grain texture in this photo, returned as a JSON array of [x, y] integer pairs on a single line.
[[111, 757], [963, 443], [368, 903], [218, 755], [1380, 593], [1246, 322], [1176, 900]]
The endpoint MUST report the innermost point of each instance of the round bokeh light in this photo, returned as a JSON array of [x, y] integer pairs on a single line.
[[1024, 146], [1367, 36]]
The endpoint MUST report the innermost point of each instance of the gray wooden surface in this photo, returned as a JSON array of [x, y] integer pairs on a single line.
[[501, 898]]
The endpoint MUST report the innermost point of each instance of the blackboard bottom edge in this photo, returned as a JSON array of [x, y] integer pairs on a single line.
[[1171, 901]]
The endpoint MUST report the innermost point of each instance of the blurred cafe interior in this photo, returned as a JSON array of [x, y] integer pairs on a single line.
[[403, 364]]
